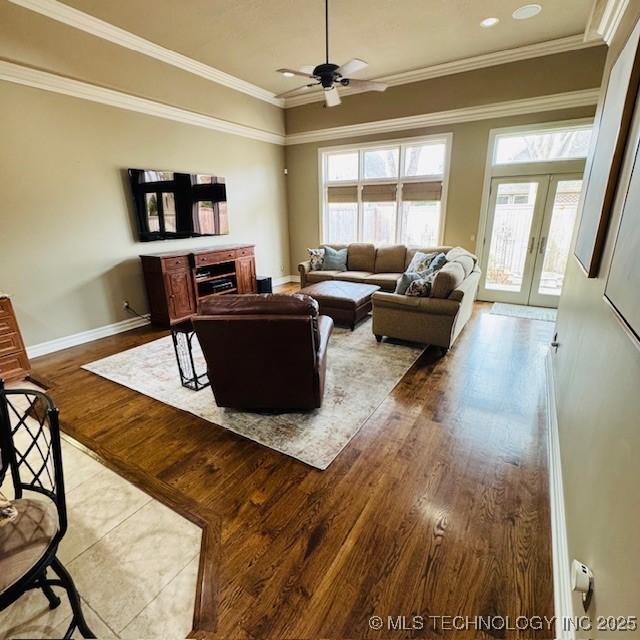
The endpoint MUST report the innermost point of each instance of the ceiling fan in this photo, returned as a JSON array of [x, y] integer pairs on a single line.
[[330, 76]]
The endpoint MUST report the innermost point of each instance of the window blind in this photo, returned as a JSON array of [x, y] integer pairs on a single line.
[[379, 193], [343, 194], [412, 191]]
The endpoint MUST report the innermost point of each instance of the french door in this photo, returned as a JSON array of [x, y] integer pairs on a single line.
[[528, 237]]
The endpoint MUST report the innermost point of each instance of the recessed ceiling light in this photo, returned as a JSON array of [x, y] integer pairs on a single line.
[[527, 11], [288, 74], [489, 22]]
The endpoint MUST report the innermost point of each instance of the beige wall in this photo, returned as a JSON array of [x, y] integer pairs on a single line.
[[597, 370], [68, 252], [570, 71], [33, 40], [468, 159]]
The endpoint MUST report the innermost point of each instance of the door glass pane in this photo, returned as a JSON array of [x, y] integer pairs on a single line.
[[343, 222], [342, 166], [424, 159], [558, 243], [541, 146], [513, 215], [381, 163], [421, 223], [379, 223]]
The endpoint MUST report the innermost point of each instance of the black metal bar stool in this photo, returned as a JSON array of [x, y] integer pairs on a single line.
[[29, 537]]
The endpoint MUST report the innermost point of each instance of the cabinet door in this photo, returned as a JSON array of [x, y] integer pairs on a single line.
[[180, 292], [246, 275]]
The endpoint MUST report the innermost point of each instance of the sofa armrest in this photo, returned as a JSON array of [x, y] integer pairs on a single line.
[[435, 306], [468, 287], [303, 270]]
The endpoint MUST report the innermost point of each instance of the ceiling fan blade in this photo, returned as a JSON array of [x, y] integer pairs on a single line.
[[351, 67], [292, 91], [332, 97], [366, 85], [295, 72]]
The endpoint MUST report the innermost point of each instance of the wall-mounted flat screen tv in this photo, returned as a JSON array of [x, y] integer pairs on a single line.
[[169, 204]]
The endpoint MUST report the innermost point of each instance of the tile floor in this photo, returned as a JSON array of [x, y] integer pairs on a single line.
[[134, 561]]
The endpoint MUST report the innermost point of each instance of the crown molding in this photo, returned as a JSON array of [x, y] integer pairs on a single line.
[[605, 19], [582, 98], [83, 21], [561, 45], [19, 74]]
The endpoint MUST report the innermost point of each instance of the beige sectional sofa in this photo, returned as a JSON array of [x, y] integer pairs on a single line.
[[436, 320]]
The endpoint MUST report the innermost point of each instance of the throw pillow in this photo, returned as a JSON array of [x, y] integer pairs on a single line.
[[420, 288], [438, 262], [406, 279], [334, 259], [420, 262], [316, 258]]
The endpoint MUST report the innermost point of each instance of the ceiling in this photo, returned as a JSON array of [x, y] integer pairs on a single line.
[[251, 38]]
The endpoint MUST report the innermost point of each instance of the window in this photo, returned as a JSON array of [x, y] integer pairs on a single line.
[[385, 193], [567, 143]]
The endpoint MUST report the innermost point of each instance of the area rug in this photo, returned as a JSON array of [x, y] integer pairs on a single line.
[[523, 311], [360, 374]]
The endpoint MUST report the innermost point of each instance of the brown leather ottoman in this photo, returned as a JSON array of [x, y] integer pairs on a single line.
[[347, 302]]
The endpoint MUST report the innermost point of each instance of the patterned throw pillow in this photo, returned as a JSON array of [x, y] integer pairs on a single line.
[[438, 262], [420, 262], [406, 279], [421, 288], [316, 258]]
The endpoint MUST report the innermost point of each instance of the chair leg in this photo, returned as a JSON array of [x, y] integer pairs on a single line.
[[53, 599], [74, 600]]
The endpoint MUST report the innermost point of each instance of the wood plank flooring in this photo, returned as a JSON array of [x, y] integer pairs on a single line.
[[438, 507]]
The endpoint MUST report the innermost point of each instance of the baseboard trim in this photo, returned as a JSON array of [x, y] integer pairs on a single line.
[[559, 543], [43, 348], [285, 280]]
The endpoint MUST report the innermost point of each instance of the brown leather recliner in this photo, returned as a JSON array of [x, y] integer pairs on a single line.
[[265, 351]]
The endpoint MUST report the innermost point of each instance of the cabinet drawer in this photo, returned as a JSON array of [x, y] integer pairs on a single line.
[[8, 325], [10, 343], [247, 251], [15, 365], [175, 264], [5, 308], [212, 258]]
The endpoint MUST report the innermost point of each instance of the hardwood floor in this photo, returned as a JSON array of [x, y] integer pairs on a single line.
[[438, 507]]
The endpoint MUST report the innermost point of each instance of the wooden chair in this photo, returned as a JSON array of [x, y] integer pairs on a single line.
[[30, 444]]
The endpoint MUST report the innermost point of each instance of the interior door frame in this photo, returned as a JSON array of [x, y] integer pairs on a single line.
[[522, 296], [535, 298]]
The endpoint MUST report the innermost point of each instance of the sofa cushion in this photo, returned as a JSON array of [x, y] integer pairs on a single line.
[[353, 276], [447, 279], [320, 276], [386, 281], [361, 257], [462, 256], [334, 259], [390, 259]]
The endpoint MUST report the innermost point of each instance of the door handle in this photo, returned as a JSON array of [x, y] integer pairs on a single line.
[[532, 243], [543, 242]]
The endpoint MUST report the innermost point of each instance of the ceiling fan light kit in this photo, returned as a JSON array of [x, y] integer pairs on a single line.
[[329, 76]]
